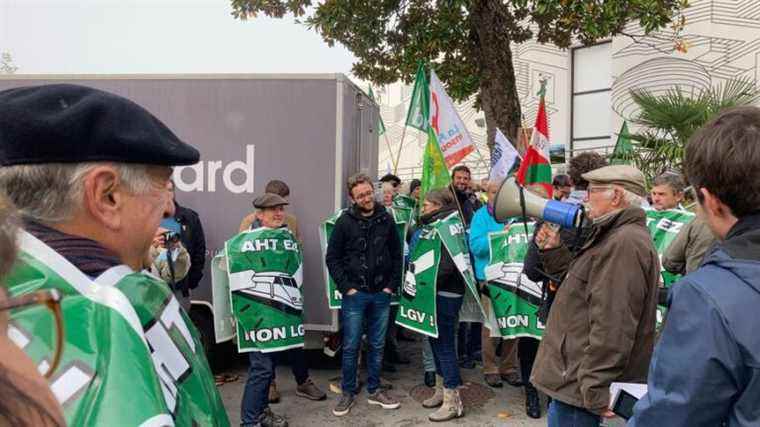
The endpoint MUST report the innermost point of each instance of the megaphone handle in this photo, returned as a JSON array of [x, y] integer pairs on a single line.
[[522, 209]]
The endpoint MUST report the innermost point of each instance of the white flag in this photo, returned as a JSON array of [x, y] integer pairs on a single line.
[[453, 138], [503, 157]]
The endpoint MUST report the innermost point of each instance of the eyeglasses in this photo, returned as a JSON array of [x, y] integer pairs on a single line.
[[597, 189], [50, 300]]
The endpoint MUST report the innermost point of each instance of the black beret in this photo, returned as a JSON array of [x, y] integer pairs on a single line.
[[269, 200], [64, 123]]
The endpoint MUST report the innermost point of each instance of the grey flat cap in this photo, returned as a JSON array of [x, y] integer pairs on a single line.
[[625, 176]]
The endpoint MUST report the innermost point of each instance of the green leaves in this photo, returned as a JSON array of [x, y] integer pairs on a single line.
[[671, 118], [467, 42]]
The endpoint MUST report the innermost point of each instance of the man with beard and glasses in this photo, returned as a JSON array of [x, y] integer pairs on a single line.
[[364, 258]]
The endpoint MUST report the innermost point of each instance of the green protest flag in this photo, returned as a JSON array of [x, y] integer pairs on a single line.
[[407, 202], [623, 152], [664, 226], [515, 298], [417, 310], [435, 174], [138, 361], [265, 270], [380, 124], [419, 105]]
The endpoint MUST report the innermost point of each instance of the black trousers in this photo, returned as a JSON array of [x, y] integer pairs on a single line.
[[468, 340], [526, 350]]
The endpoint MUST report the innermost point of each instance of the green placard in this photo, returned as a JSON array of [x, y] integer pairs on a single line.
[[664, 226], [514, 297], [417, 305], [265, 271]]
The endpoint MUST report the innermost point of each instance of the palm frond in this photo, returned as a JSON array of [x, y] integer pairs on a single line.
[[669, 119]]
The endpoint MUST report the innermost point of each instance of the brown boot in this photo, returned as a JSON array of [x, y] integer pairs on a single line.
[[436, 399], [452, 407], [274, 395], [310, 391]]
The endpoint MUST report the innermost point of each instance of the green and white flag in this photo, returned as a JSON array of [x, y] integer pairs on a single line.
[[404, 201], [419, 105], [514, 297], [334, 297], [265, 271], [417, 310], [664, 226], [403, 218], [130, 357], [380, 124]]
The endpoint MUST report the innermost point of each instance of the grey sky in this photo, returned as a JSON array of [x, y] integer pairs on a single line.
[[157, 36]]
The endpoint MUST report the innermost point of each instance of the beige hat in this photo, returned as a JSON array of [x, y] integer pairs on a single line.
[[625, 176], [269, 200]]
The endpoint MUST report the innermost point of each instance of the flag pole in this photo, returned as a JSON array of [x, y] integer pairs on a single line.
[[400, 145], [390, 151]]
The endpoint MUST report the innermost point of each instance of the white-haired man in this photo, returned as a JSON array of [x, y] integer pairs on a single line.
[[601, 326]]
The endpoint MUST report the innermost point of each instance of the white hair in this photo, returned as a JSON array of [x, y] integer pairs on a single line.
[[51, 193], [629, 198]]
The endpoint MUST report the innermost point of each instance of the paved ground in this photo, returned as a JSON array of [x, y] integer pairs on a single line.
[[504, 406]]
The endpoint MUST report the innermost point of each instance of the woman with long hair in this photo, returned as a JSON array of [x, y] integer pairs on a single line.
[[450, 289]]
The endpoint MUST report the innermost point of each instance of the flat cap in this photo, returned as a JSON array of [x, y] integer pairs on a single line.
[[269, 200], [64, 123], [625, 176]]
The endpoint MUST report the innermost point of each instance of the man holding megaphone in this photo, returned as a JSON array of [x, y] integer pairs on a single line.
[[601, 326]]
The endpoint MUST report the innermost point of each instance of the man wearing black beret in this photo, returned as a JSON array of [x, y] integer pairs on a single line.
[[89, 173]]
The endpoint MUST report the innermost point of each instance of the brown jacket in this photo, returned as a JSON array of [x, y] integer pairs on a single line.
[[601, 328], [687, 250]]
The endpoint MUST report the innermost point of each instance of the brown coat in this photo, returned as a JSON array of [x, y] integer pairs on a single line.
[[601, 328], [27, 394]]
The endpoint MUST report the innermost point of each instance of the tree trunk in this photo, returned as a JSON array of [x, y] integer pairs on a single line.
[[489, 20]]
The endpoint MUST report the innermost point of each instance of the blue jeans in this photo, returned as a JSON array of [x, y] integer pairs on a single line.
[[355, 310], [444, 347], [564, 415], [256, 393]]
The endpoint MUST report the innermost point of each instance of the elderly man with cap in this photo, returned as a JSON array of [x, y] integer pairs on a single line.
[[89, 174], [270, 213], [273, 205], [601, 326]]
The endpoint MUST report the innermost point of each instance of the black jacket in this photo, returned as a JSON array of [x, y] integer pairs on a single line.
[[195, 242], [469, 203], [364, 253], [449, 279]]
